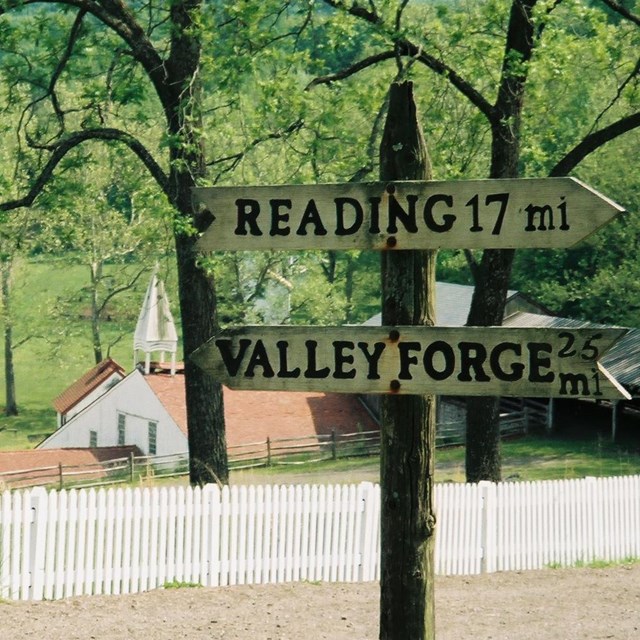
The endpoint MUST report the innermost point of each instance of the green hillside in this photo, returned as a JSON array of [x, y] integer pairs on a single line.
[[52, 331]]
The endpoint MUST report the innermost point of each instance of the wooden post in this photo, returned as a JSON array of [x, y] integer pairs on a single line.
[[407, 608], [549, 427], [334, 450], [268, 451], [60, 477]]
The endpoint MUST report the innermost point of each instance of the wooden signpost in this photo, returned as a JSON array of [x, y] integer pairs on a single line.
[[409, 364], [412, 360], [466, 214]]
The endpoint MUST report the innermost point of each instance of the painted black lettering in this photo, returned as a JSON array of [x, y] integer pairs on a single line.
[[372, 358], [374, 225], [503, 199], [284, 371], [596, 379], [564, 224], [449, 360], [473, 355], [407, 218], [447, 219], [311, 215], [589, 350], [358, 215], [567, 351], [404, 349], [312, 370], [571, 384], [278, 218], [475, 214], [537, 362], [232, 363], [248, 211], [544, 211], [515, 369], [259, 358], [341, 359]]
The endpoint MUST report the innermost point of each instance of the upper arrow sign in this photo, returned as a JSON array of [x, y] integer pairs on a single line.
[[419, 360], [467, 214]]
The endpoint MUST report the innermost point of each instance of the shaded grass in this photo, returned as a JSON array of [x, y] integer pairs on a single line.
[[529, 458]]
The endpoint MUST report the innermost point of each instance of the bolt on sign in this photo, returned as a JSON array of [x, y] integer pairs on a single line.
[[533, 362], [466, 214]]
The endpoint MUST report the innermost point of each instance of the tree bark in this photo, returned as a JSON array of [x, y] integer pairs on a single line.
[[96, 275], [483, 458], [181, 96], [11, 404], [407, 608]]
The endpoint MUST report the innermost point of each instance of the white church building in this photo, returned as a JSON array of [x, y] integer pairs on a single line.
[[107, 407]]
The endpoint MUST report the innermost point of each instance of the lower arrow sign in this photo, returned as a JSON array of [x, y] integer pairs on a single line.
[[531, 362]]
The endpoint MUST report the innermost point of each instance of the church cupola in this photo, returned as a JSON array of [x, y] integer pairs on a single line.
[[155, 331]]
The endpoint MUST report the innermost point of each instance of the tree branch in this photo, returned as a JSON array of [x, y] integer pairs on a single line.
[[357, 11], [51, 88], [125, 287], [444, 70], [594, 141], [116, 15], [353, 69], [61, 148], [622, 10], [402, 46], [634, 73], [236, 158]]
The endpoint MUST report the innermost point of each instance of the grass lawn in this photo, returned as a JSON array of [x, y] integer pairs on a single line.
[[530, 458]]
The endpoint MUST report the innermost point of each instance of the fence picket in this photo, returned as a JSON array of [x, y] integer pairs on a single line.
[[212, 495], [61, 543], [82, 540]]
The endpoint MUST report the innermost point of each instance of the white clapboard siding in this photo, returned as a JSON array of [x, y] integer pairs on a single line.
[[59, 544]]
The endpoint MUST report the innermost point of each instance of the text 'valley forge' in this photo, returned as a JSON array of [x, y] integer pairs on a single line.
[[417, 360]]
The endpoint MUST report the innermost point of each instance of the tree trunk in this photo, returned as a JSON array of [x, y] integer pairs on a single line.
[[11, 404], [483, 458], [407, 608], [182, 99], [205, 409], [349, 272], [96, 275]]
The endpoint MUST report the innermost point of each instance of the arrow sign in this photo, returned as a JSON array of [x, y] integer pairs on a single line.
[[467, 214], [530, 362]]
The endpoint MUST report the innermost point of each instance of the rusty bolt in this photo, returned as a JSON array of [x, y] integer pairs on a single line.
[[394, 335], [394, 385], [392, 241], [391, 188]]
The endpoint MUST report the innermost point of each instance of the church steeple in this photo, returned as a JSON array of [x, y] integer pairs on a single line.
[[155, 331]]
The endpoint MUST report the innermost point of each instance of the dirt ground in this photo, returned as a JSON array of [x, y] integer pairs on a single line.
[[552, 604]]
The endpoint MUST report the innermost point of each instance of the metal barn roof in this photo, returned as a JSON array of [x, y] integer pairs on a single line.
[[622, 361]]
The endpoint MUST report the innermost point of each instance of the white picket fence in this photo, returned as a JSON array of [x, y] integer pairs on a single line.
[[115, 541]]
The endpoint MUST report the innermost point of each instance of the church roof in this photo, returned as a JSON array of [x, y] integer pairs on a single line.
[[84, 385], [252, 416]]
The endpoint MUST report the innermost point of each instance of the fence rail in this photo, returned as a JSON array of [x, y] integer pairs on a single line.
[[122, 540], [269, 452]]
